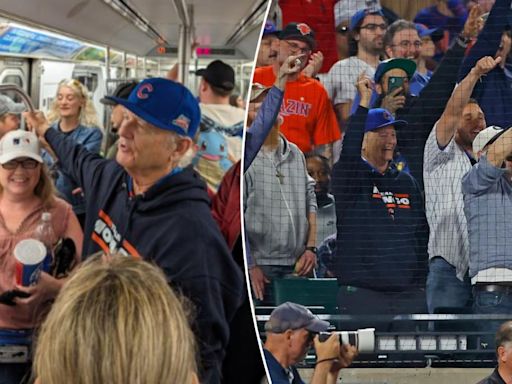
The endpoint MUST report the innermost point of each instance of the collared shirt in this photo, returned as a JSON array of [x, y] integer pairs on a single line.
[[487, 204], [278, 374], [443, 171]]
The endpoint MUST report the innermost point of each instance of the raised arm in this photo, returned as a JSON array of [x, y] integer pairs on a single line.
[[75, 160], [489, 38], [440, 87], [268, 111], [451, 118]]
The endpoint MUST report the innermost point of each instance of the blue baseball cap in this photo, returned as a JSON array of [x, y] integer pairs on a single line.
[[358, 17], [270, 29], [406, 65], [165, 104], [380, 118], [435, 34]]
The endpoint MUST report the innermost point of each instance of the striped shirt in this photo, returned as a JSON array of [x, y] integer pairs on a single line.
[[443, 170]]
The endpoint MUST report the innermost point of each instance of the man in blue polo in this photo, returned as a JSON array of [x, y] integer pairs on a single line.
[[145, 205]]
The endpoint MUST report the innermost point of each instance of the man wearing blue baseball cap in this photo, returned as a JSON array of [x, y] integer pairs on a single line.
[[382, 232], [145, 205], [266, 56], [393, 78]]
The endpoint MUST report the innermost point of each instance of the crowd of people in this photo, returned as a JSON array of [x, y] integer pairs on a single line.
[[147, 199], [377, 151], [400, 143]]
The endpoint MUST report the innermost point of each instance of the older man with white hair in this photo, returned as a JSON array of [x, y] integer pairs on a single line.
[[145, 205]]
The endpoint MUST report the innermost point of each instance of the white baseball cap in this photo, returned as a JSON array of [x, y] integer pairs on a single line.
[[485, 137], [19, 143]]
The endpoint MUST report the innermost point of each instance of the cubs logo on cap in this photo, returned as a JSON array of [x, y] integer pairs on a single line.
[[144, 90], [380, 118], [165, 104]]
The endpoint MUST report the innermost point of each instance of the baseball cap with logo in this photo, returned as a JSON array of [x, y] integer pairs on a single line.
[[165, 104], [123, 90], [357, 19], [19, 143], [270, 29], [7, 105], [300, 32], [486, 137], [380, 118], [218, 74], [294, 316]]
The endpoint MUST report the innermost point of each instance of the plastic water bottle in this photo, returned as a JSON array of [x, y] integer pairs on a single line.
[[44, 233]]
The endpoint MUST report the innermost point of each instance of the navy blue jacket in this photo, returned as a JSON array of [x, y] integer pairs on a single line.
[[170, 225], [494, 90], [382, 229]]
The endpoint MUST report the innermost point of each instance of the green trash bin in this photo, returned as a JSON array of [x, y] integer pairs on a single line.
[[308, 292]]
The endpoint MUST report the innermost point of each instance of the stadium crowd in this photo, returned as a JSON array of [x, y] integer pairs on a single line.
[[388, 167]]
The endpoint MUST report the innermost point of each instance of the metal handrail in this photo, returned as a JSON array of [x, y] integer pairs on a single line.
[[15, 88]]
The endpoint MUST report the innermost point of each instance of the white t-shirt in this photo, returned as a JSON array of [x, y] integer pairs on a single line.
[[341, 80], [443, 170], [223, 114]]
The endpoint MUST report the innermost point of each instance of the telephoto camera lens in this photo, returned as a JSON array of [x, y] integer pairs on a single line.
[[362, 339]]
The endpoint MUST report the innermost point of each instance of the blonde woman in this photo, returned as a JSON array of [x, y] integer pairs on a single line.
[[72, 112], [116, 321], [26, 191]]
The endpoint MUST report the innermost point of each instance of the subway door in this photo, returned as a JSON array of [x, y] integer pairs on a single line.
[[47, 76], [15, 71], [93, 77]]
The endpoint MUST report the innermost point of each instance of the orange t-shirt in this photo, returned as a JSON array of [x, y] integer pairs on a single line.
[[309, 119]]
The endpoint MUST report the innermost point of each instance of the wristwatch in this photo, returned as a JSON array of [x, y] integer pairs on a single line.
[[312, 249]]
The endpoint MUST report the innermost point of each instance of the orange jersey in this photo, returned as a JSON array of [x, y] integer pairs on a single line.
[[309, 119]]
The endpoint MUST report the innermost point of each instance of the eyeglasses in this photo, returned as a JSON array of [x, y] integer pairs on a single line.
[[406, 44], [295, 48], [25, 164], [373, 27]]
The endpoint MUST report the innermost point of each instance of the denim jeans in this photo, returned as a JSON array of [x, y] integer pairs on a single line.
[[444, 289], [488, 303], [362, 301]]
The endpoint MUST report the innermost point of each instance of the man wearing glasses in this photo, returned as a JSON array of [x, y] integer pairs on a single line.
[[420, 111], [367, 29], [291, 331], [309, 120]]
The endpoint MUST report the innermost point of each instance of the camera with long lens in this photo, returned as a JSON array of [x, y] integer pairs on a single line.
[[362, 339]]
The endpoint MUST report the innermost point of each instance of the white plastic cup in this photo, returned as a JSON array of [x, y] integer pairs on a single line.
[[29, 255]]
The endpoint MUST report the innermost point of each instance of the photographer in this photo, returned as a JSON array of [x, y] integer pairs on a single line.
[[291, 330]]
